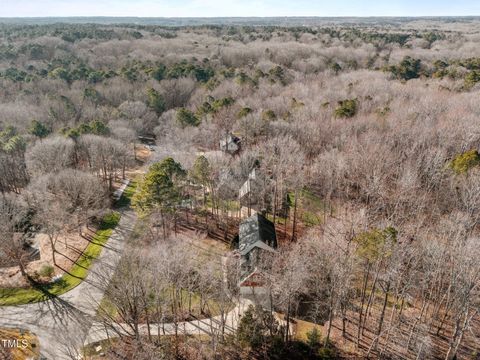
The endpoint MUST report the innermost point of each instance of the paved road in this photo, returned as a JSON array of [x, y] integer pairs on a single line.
[[197, 327], [62, 323]]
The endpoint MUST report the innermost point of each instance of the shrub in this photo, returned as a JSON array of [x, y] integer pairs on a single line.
[[313, 339], [156, 102], [110, 220], [46, 271], [60, 73], [327, 354], [186, 118], [95, 127], [255, 326], [38, 129], [335, 67], [159, 72], [409, 68], [277, 73], [472, 78], [244, 112], [375, 243], [244, 79], [346, 108], [268, 115], [462, 163], [220, 103]]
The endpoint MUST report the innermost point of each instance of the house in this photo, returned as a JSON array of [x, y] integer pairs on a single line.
[[247, 185], [148, 139], [251, 194], [257, 241], [230, 144]]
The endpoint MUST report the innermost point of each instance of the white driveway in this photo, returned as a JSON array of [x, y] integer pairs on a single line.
[[208, 326], [62, 323]]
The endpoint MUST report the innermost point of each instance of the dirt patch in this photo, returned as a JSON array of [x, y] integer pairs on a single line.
[[69, 247], [142, 153], [203, 242]]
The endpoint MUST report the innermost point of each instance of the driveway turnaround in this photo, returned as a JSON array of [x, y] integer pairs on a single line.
[[62, 323]]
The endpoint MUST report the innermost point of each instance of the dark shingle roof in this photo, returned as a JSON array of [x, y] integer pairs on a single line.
[[256, 229]]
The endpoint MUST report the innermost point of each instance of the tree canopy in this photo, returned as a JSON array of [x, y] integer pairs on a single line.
[[160, 187]]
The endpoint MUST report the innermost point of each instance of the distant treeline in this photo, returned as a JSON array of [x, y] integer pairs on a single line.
[[251, 21]]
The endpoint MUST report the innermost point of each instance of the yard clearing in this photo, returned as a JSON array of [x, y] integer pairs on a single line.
[[77, 273], [79, 270]]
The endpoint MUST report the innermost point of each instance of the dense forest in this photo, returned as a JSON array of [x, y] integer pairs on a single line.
[[365, 140]]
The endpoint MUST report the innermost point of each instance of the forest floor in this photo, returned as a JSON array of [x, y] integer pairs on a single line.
[[209, 249], [424, 342]]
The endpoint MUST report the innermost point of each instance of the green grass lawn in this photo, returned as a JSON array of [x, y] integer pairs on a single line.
[[79, 271], [311, 207], [127, 195], [229, 205], [279, 220]]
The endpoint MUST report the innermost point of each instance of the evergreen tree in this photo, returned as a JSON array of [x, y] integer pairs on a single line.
[[156, 102], [160, 188], [186, 118], [38, 129]]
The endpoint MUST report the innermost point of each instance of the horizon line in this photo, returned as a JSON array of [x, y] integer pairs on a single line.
[[242, 17]]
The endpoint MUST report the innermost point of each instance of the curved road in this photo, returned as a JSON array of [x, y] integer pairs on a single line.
[[65, 323], [208, 326], [62, 323]]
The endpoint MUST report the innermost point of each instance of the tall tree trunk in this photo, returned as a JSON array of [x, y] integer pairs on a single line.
[[390, 323], [330, 319], [458, 333], [382, 315], [294, 226], [22, 269], [414, 325], [54, 250], [364, 292], [275, 202], [287, 213], [287, 318], [147, 318], [372, 296]]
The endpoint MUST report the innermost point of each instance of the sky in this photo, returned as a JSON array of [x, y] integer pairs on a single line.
[[246, 8]]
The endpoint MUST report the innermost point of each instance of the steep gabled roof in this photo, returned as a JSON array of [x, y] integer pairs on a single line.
[[231, 143], [256, 231], [230, 139]]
